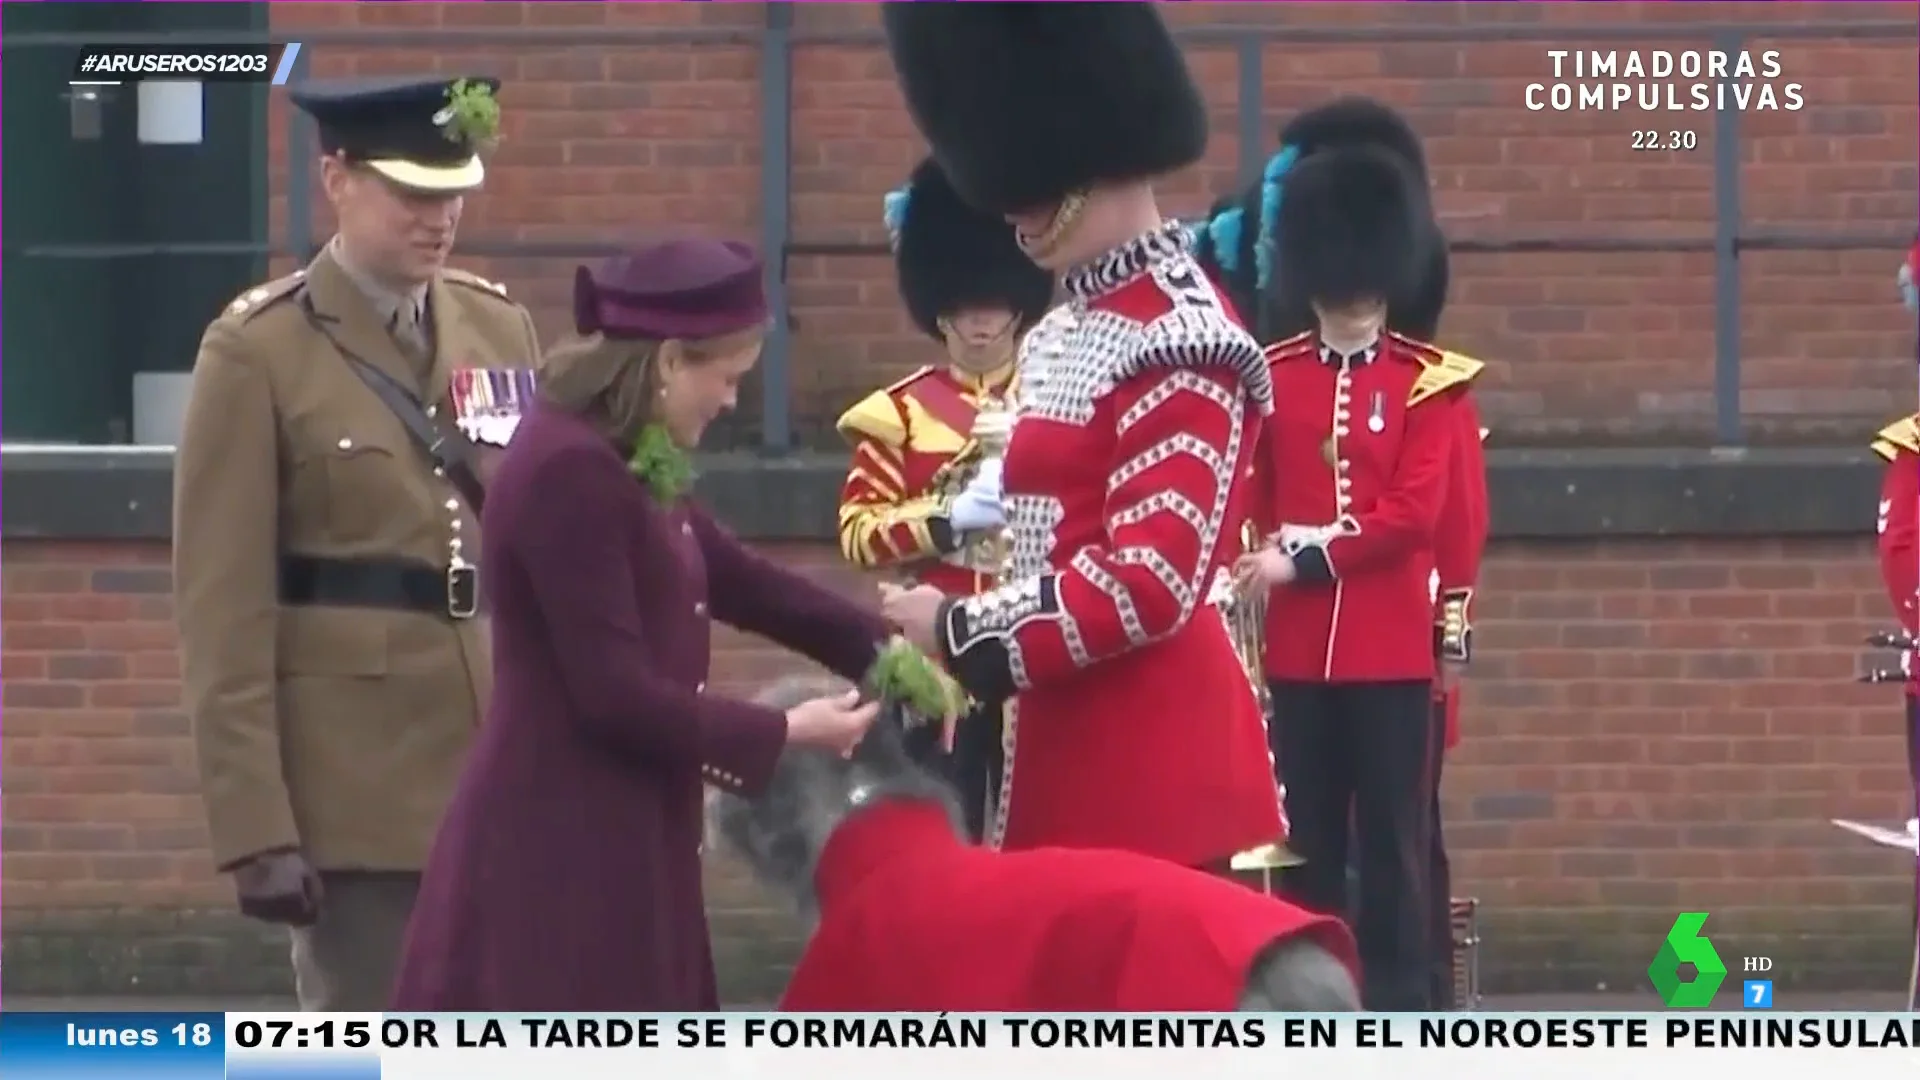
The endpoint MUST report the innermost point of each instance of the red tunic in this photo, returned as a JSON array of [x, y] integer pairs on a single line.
[[1459, 540], [1899, 444], [1135, 726], [912, 919], [1355, 472], [902, 436]]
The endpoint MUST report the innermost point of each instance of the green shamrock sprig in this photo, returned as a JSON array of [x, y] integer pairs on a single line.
[[473, 114], [902, 673], [660, 464]]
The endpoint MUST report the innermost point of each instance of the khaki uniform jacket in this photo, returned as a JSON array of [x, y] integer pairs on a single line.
[[335, 729]]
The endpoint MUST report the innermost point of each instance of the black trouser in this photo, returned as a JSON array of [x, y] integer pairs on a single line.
[[1439, 874], [1359, 754], [973, 768]]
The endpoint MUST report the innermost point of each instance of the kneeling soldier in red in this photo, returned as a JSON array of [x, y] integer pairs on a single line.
[[1356, 465]]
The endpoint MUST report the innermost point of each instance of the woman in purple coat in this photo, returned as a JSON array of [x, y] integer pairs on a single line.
[[566, 877]]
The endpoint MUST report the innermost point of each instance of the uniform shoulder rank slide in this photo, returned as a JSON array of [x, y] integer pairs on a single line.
[[1440, 370], [489, 402], [474, 281], [260, 297], [1902, 434]]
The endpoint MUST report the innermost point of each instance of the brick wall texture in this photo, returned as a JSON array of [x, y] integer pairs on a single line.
[[1653, 727], [632, 138]]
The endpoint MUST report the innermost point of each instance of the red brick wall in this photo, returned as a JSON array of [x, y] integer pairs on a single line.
[[631, 137], [1653, 727]]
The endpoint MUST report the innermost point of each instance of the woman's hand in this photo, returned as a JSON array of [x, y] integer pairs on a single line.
[[914, 611], [835, 723]]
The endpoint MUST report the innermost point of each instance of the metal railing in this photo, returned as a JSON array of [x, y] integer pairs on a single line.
[[777, 38]]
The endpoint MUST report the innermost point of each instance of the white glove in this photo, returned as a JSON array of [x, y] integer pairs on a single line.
[[1292, 538], [993, 426], [978, 507]]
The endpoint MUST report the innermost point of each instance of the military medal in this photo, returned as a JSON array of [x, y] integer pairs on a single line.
[[1377, 418], [488, 402]]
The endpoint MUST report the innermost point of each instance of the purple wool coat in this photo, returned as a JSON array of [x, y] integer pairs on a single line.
[[566, 876]]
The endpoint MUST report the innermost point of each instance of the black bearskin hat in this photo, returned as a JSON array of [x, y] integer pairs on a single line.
[[948, 255], [1351, 226], [1024, 103], [1356, 121], [1351, 122]]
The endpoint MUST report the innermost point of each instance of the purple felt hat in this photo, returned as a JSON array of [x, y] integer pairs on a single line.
[[686, 289]]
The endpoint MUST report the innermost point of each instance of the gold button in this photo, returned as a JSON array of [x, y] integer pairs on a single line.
[[433, 411], [700, 609], [701, 689], [687, 528], [346, 444], [453, 504]]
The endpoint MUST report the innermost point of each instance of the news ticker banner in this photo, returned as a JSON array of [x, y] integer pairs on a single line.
[[958, 1046], [112, 65]]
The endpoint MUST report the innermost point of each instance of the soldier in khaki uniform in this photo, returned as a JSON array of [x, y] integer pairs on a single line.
[[324, 556]]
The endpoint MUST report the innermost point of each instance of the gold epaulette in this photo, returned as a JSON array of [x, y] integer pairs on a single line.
[[474, 281], [1301, 344], [1902, 434], [877, 416], [1441, 370], [261, 297]]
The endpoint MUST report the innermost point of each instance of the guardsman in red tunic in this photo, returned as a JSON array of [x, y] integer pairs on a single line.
[[1458, 544], [904, 915], [1237, 242], [1355, 478], [1899, 526], [1134, 725], [1899, 445], [922, 496]]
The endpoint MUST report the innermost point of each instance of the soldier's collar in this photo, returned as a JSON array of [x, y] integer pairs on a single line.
[[982, 384], [1101, 275], [388, 302], [1352, 358]]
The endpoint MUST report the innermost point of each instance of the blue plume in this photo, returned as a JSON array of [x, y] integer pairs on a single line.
[[1263, 247], [895, 209], [1223, 234]]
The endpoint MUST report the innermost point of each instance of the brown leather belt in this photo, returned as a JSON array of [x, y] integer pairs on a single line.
[[451, 592]]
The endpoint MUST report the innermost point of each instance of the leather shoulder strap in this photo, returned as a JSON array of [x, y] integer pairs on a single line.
[[447, 448]]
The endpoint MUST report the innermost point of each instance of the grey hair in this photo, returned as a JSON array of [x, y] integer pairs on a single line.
[[781, 834], [1297, 975]]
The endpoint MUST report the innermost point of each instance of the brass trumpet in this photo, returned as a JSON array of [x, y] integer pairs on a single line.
[[1246, 613], [988, 553]]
